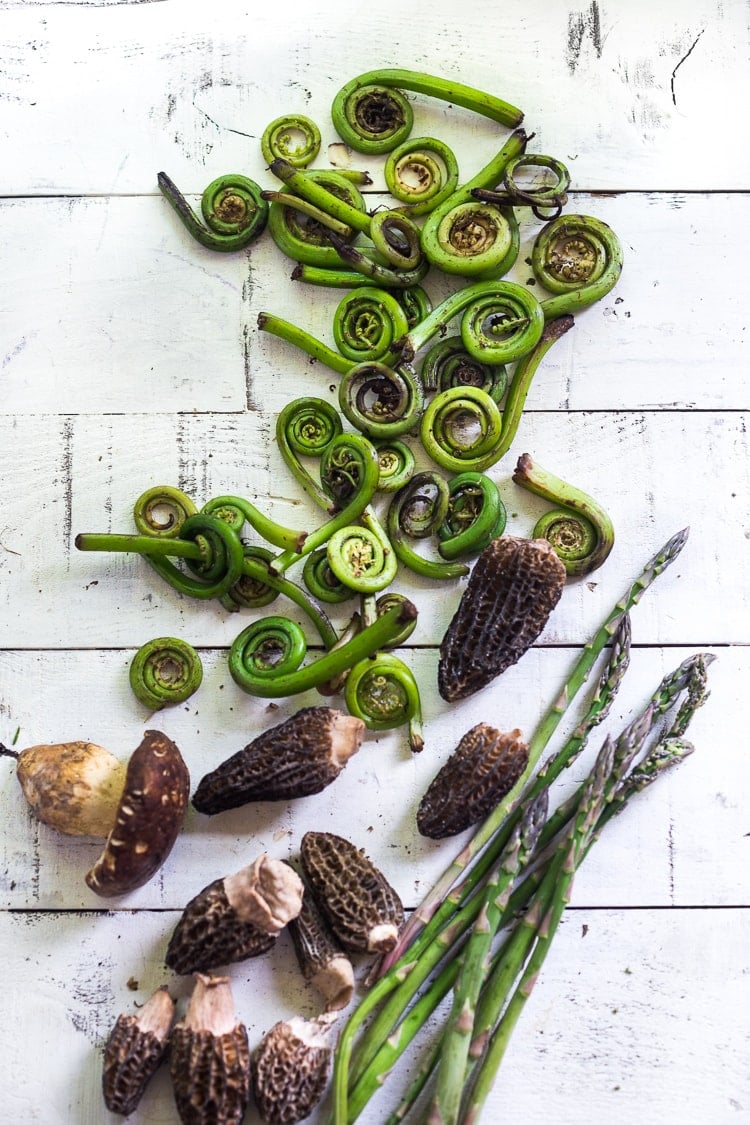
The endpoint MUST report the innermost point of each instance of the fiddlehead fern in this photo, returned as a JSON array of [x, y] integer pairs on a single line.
[[366, 323], [500, 322], [461, 428], [381, 401], [236, 511], [162, 510], [551, 194], [463, 236], [234, 212], [362, 558], [384, 694], [348, 458], [301, 236], [422, 173], [475, 516], [165, 671], [292, 137], [209, 547], [448, 364], [250, 592], [388, 601], [393, 277], [251, 657], [578, 258], [393, 235], [417, 511], [415, 303], [397, 465], [371, 115], [305, 427], [321, 581], [579, 530]]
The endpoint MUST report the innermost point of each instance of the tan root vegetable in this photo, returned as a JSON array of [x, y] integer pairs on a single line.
[[290, 1069], [237, 917], [134, 1050], [74, 787], [148, 820], [209, 1057]]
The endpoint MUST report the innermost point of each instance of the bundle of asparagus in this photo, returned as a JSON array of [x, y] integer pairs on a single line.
[[486, 936]]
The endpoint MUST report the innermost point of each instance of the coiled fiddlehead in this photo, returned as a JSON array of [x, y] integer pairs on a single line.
[[251, 657], [460, 430], [366, 323], [476, 515], [292, 137], [551, 194], [234, 212], [250, 592], [236, 511], [321, 581], [301, 236], [209, 547], [422, 172], [448, 364], [463, 236], [384, 694], [165, 671], [392, 277], [381, 401], [362, 558], [388, 601], [393, 235], [371, 115], [351, 459], [579, 530], [305, 427], [415, 303], [500, 322], [417, 511], [397, 465], [579, 258], [162, 510]]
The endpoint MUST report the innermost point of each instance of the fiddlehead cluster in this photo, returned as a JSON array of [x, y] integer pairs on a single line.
[[233, 209]]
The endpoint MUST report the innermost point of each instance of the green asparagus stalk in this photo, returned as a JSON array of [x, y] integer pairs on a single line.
[[577, 678]]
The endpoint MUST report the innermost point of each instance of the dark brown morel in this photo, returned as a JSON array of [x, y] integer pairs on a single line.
[[290, 1069], [323, 962], [361, 907], [209, 1058], [237, 917], [485, 766], [297, 758], [134, 1050], [512, 590]]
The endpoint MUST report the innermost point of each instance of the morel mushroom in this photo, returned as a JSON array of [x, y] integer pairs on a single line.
[[512, 590], [290, 1069], [149, 817], [135, 1048], [485, 766], [362, 908], [237, 917], [210, 1057], [297, 758], [323, 962]]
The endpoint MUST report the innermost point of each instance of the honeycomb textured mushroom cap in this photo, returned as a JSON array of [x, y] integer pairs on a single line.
[[485, 766], [135, 1048], [513, 588]]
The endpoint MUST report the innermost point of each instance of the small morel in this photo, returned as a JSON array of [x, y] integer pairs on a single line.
[[135, 1048], [297, 758], [290, 1069], [485, 766], [323, 962], [512, 590], [210, 1058], [236, 917], [361, 907]]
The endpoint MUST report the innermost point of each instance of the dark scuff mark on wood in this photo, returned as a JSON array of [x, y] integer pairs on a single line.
[[66, 480], [185, 462], [583, 25], [247, 336], [687, 55], [92, 998]]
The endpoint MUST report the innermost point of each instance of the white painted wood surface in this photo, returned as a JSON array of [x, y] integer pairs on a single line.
[[130, 357]]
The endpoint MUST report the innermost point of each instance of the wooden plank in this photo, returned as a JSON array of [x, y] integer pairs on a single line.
[[634, 1006], [112, 307], [659, 852], [98, 467], [624, 96]]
